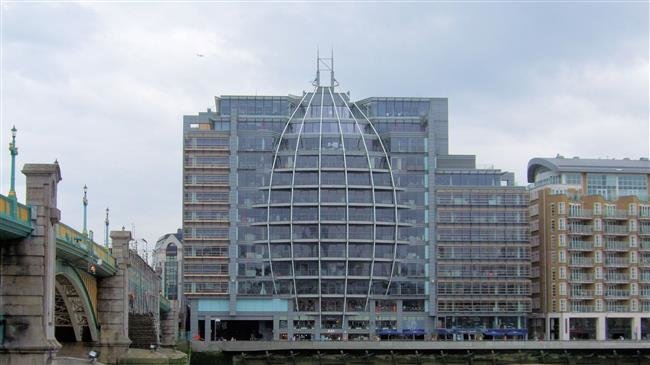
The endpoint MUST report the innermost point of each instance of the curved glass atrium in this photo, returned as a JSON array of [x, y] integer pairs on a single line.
[[331, 221]]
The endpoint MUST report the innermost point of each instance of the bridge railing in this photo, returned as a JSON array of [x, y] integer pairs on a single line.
[[78, 239], [22, 214]]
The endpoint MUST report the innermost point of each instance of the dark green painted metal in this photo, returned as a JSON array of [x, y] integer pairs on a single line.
[[64, 268], [15, 219], [81, 251]]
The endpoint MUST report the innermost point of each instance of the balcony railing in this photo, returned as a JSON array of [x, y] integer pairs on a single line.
[[580, 213], [581, 278], [616, 261], [581, 245], [617, 278], [588, 261], [615, 213], [582, 293], [580, 229], [616, 229], [617, 293], [644, 244], [617, 245], [616, 308], [643, 229], [644, 293], [582, 308]]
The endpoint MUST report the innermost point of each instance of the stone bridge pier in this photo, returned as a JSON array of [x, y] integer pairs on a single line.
[[27, 275], [113, 303]]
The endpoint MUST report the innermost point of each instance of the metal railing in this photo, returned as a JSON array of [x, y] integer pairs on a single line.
[[614, 213], [580, 229], [580, 213], [580, 245], [616, 245], [611, 229], [22, 213], [71, 236]]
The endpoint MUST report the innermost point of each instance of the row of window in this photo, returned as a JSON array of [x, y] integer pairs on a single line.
[[381, 179], [482, 198], [254, 106], [483, 288], [332, 213], [327, 195], [331, 268], [472, 270], [331, 250], [248, 160], [485, 233], [482, 216], [311, 287], [311, 231], [482, 252]]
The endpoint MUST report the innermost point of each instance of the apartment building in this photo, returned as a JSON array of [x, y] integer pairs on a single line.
[[590, 237]]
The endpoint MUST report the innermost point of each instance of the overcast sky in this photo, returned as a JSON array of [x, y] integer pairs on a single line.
[[103, 87]]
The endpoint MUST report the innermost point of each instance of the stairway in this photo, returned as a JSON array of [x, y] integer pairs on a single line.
[[143, 330]]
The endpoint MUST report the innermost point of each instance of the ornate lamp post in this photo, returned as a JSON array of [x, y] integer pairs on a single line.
[[85, 202], [13, 150], [106, 229]]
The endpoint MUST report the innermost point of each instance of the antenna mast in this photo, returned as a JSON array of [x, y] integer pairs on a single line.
[[325, 64]]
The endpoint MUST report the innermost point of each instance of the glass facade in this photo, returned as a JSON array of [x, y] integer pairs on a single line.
[[483, 255], [325, 207]]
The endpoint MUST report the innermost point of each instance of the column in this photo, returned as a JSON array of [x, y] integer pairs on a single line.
[[564, 328], [28, 269], [636, 327], [601, 327], [169, 325], [113, 303]]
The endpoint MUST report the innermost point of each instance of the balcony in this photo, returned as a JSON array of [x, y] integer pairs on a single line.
[[581, 278], [616, 278], [580, 229], [616, 262], [644, 293], [617, 308], [581, 308], [644, 260], [581, 261], [582, 294], [644, 245], [580, 213], [616, 230], [611, 245], [644, 229], [644, 277], [614, 214], [580, 245], [617, 293]]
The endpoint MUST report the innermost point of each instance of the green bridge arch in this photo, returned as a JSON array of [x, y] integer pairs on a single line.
[[76, 300]]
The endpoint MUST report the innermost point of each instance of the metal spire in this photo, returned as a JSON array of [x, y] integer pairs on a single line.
[[326, 64], [85, 202], [13, 150], [106, 222]]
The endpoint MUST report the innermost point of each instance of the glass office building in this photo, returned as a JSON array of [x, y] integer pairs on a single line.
[[311, 217]]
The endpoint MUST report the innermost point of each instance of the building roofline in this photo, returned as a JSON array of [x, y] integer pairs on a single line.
[[589, 165]]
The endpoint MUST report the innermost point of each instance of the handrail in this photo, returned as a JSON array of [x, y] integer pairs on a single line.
[[73, 237]]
